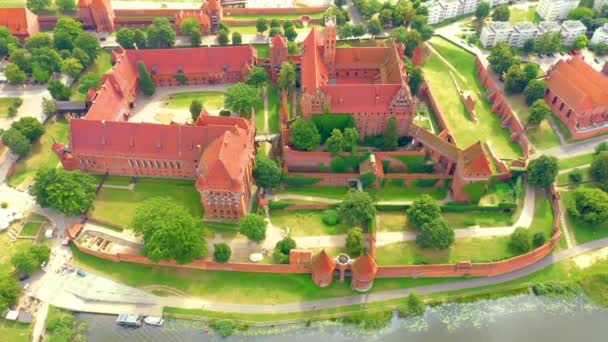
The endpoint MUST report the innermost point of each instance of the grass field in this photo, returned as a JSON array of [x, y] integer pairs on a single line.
[[408, 193], [14, 331], [305, 223], [5, 103], [462, 66], [583, 231], [212, 100], [576, 161], [40, 155], [118, 205], [7, 251], [268, 17], [564, 178], [102, 64], [520, 14], [332, 192], [263, 50], [30, 229], [543, 136]]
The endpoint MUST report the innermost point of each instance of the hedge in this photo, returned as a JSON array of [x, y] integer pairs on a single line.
[[300, 180], [461, 207], [327, 122], [341, 164], [425, 183], [276, 205], [475, 190], [416, 164]]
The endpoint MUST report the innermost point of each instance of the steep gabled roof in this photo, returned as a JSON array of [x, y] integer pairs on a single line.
[[314, 71], [20, 21], [475, 160], [364, 268], [367, 98], [322, 263], [436, 143]]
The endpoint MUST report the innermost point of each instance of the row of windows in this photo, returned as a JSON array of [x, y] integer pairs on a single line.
[[154, 164]]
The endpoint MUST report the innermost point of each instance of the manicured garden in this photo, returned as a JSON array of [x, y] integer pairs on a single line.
[[305, 223], [118, 205], [5, 104], [331, 192], [211, 100], [284, 16], [102, 64], [462, 65], [40, 155], [406, 193]]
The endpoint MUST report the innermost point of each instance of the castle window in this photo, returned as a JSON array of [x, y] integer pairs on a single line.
[[569, 113], [561, 107], [157, 164], [130, 163], [164, 164], [136, 163], [171, 164], [554, 99], [178, 166]]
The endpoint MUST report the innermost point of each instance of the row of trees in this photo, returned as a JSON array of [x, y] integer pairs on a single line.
[[22, 134], [42, 5]]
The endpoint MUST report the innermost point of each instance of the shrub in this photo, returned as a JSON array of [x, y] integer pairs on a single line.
[[277, 205], [576, 176], [538, 239], [327, 122], [253, 227], [338, 165], [225, 112], [414, 306], [426, 183], [555, 288], [224, 327], [282, 250], [423, 210], [520, 241], [355, 241], [221, 252], [298, 180], [475, 190], [589, 205], [369, 320], [367, 179], [331, 217], [4, 205]]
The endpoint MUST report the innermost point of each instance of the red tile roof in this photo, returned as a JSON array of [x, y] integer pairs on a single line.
[[366, 98], [475, 161], [322, 263], [579, 85], [364, 268], [20, 21], [314, 71], [278, 40]]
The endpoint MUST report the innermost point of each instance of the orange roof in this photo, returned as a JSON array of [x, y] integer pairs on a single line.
[[364, 268], [367, 98], [475, 160], [278, 40], [20, 21], [579, 85], [314, 71], [322, 263]]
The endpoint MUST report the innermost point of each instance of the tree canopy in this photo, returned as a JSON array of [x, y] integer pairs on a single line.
[[599, 168], [589, 205], [336, 143], [267, 173], [242, 98], [357, 208], [257, 77], [58, 90], [520, 241], [435, 234], [542, 171], [482, 10], [535, 90], [160, 34], [501, 13], [355, 242], [169, 231], [145, 79], [282, 250], [539, 111], [501, 58], [391, 135], [196, 106], [30, 127], [16, 142], [221, 252], [70, 192], [9, 291], [261, 25], [304, 135], [253, 227], [423, 210], [287, 76]]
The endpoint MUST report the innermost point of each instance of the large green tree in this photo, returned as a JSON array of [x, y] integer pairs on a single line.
[[599, 168], [287, 76], [16, 142], [282, 250], [261, 25], [24, 262], [192, 28], [267, 173], [539, 111], [589, 205], [357, 208], [336, 143], [160, 34], [196, 106], [7, 41], [9, 291], [355, 242], [535, 90], [72, 67], [70, 192], [125, 37], [542, 171], [515, 79], [221, 252], [483, 10], [169, 231], [145, 80], [435, 234], [66, 5], [501, 58], [423, 210], [88, 81], [242, 98], [14, 74], [59, 91], [520, 241], [89, 44], [38, 5], [253, 227], [304, 135], [237, 38], [257, 77], [30, 127], [501, 13]]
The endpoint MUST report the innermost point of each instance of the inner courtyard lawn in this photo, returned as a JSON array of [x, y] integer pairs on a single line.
[[236, 287], [575, 161], [15, 331], [542, 136], [305, 223], [8, 250], [211, 100], [5, 103], [40, 155], [274, 104], [268, 17], [102, 64], [564, 178], [118, 205], [583, 231], [332, 192], [462, 65], [406, 193]]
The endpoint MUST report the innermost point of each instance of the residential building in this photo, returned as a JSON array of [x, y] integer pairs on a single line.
[[548, 27], [496, 32], [217, 152], [440, 10], [556, 9], [578, 95], [570, 30], [600, 35], [598, 4], [522, 32], [370, 83], [21, 22], [497, 2]]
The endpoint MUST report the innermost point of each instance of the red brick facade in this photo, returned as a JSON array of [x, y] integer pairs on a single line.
[[97, 14]]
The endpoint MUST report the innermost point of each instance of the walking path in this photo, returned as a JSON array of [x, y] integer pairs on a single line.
[[558, 132], [574, 168], [573, 149], [32, 102]]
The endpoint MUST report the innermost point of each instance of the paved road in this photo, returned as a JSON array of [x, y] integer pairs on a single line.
[[573, 149]]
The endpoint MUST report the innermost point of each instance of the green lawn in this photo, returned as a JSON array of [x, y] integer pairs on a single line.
[[360, 43], [332, 192], [543, 136], [406, 193], [583, 231], [488, 128], [235, 287], [259, 115], [118, 205], [575, 161], [118, 180], [40, 155], [14, 331], [305, 223], [8, 249], [389, 221], [30, 229], [212, 100], [274, 104], [313, 15], [102, 64], [5, 103], [263, 50], [528, 14], [564, 178]]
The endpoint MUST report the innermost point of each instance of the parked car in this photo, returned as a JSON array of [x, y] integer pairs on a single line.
[[81, 273], [551, 54], [574, 52], [562, 53], [540, 56], [23, 277]]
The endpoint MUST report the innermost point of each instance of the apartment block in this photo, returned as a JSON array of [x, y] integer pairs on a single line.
[[598, 4], [440, 10], [495, 33], [548, 27], [570, 30], [556, 9], [600, 35], [522, 32]]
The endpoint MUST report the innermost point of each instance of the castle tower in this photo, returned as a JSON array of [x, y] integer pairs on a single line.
[[278, 55], [329, 42]]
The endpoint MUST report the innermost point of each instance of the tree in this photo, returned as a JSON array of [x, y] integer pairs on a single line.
[[89, 44], [267, 173], [547, 43], [539, 110], [81, 56], [125, 37], [358, 30], [242, 98], [222, 38], [411, 39], [336, 143], [501, 13], [237, 39], [24, 262], [374, 27], [415, 306], [589, 205], [46, 59], [386, 17], [160, 34], [391, 135], [515, 79], [419, 22], [423, 210], [357, 208], [70, 192], [304, 135], [501, 58], [535, 90], [261, 26], [287, 24], [601, 147], [345, 31], [48, 107], [542, 171], [531, 71], [355, 242], [293, 48], [274, 31], [529, 45], [580, 12], [21, 58], [351, 137], [38, 5], [68, 25], [287, 76], [29, 127], [71, 67], [89, 81], [140, 38], [9, 291], [221, 252], [275, 23], [63, 41], [66, 5], [282, 250], [59, 91], [416, 77], [538, 239], [7, 41], [16, 142], [14, 74], [253, 227], [435, 234], [483, 10], [191, 28], [367, 179], [145, 80], [291, 34], [519, 241], [600, 49], [40, 253], [580, 42], [257, 77], [169, 231], [599, 168], [196, 107], [40, 75], [339, 3]]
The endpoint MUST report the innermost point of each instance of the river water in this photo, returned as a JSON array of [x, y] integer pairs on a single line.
[[519, 318]]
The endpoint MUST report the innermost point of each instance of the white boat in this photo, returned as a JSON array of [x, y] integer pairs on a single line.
[[151, 320]]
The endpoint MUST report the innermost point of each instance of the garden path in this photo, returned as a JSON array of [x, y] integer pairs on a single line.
[[32, 101], [573, 149], [574, 168]]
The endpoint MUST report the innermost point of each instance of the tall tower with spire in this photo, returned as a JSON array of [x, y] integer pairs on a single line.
[[330, 34]]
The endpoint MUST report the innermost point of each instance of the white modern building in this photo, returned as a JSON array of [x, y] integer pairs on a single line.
[[496, 2], [598, 4], [440, 10], [495, 33], [600, 35], [556, 9], [570, 30], [548, 27], [522, 32]]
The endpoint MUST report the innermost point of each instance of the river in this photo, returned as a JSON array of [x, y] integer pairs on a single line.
[[517, 318]]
